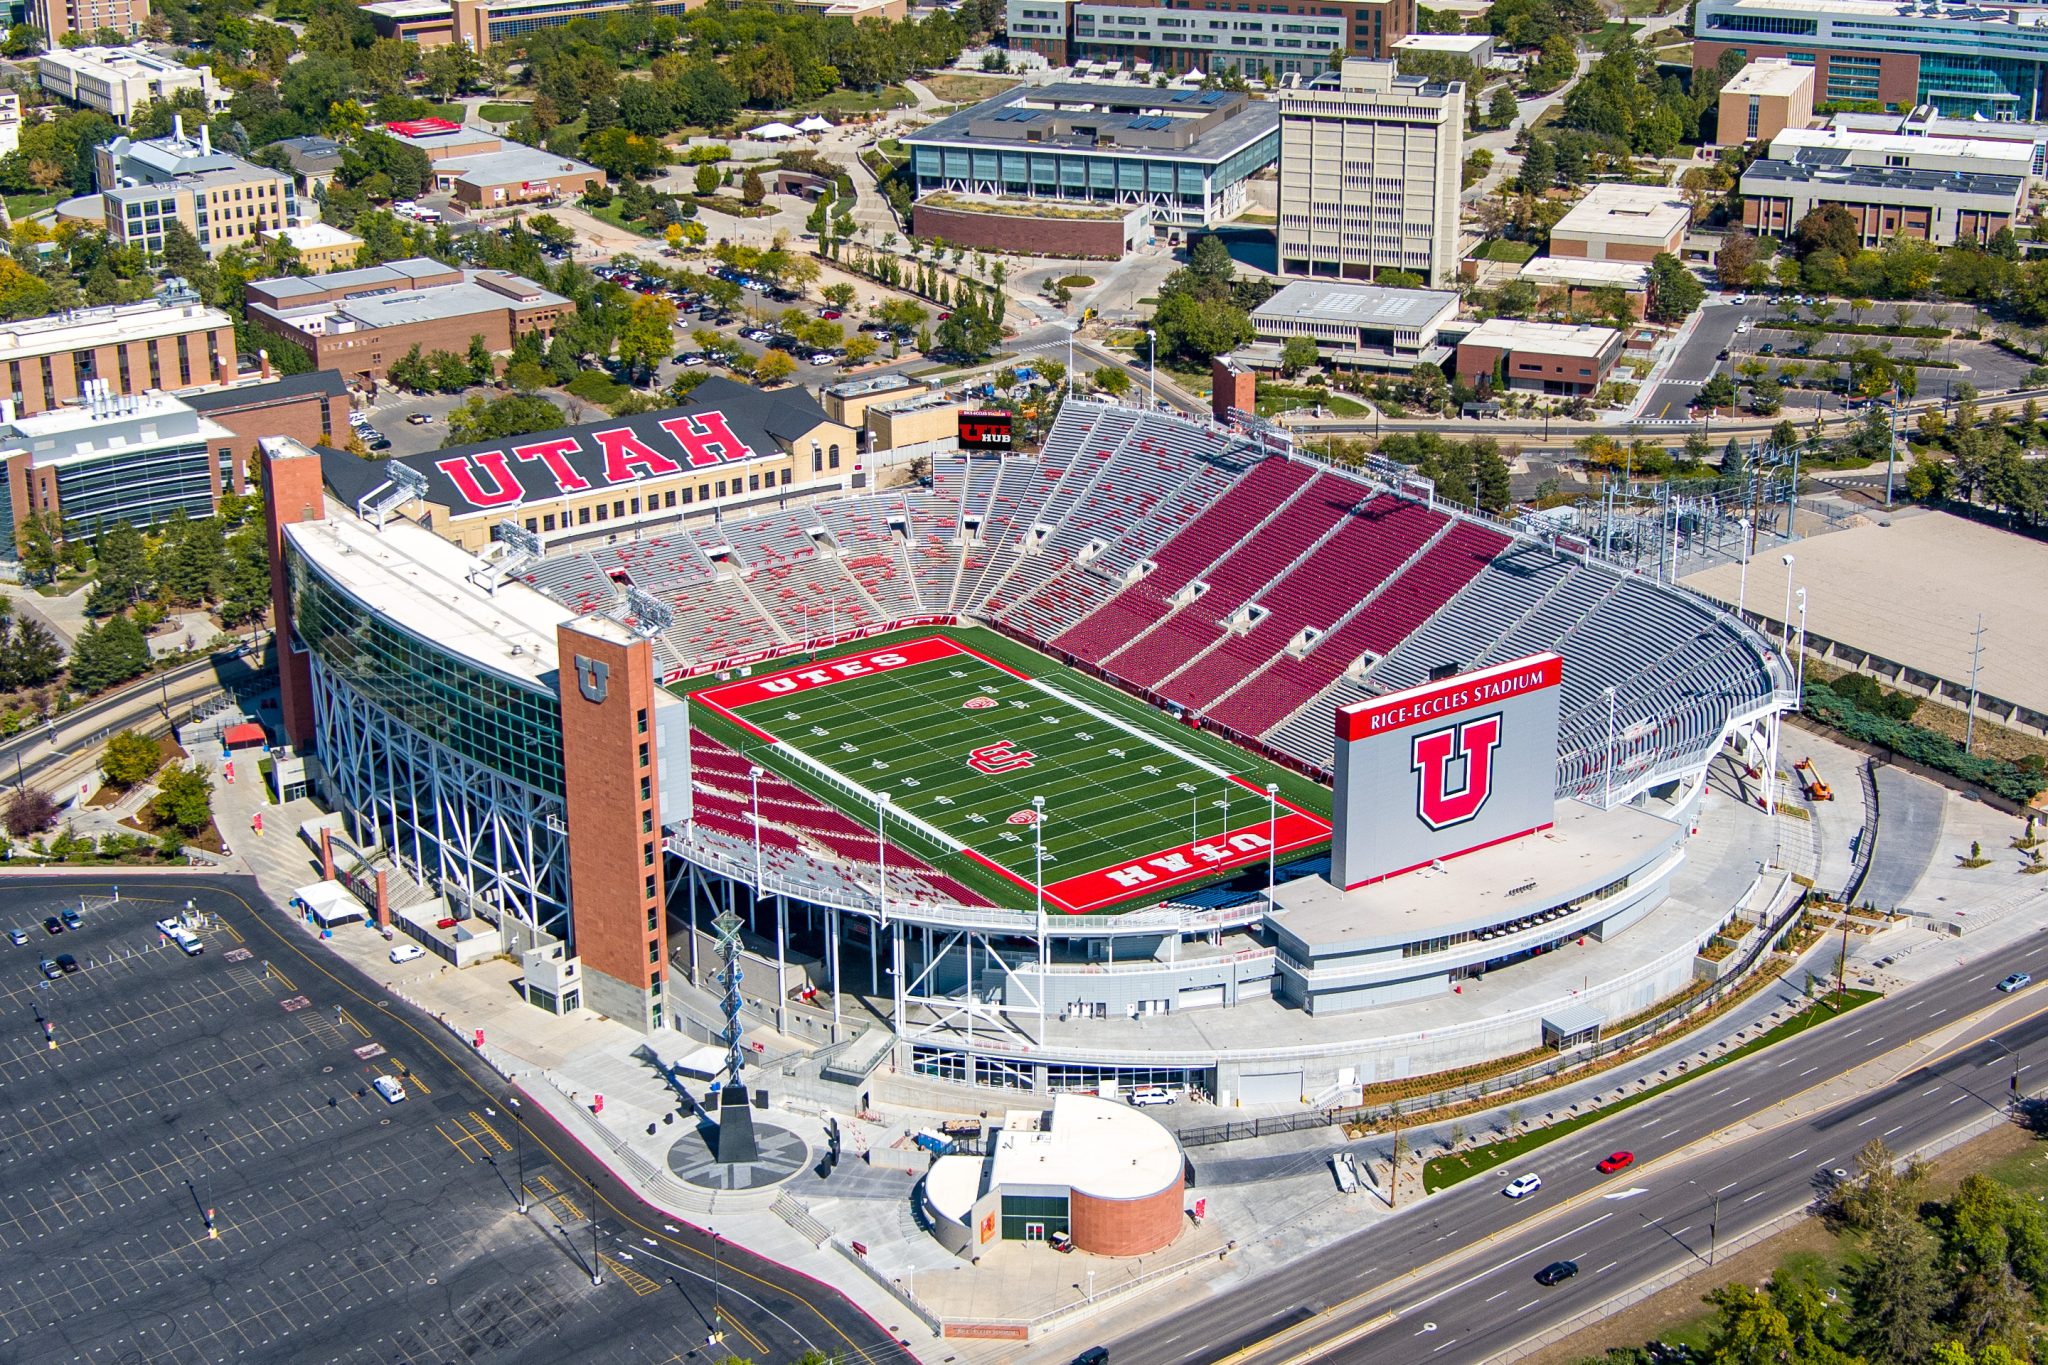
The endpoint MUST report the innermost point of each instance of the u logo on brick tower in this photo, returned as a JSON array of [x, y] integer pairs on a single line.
[[593, 679], [999, 757], [1436, 804]]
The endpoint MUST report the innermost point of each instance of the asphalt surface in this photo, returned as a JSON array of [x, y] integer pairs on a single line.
[[349, 1229], [1909, 839], [1473, 1253]]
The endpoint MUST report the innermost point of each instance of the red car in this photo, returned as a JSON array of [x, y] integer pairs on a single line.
[[830, 315], [1614, 1161]]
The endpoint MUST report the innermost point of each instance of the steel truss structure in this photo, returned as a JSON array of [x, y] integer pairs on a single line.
[[479, 837]]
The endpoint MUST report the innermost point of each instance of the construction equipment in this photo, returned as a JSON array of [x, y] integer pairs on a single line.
[[1810, 783]]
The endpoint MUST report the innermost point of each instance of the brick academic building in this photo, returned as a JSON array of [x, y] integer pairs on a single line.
[[361, 322]]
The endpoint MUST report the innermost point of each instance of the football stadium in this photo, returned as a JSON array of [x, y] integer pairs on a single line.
[[1167, 754]]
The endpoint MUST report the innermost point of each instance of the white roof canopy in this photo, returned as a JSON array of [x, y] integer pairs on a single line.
[[772, 131]]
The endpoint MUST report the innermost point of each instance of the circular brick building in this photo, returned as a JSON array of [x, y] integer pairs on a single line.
[[1108, 1176]]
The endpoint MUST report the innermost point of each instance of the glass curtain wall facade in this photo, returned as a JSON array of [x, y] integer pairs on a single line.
[[455, 769]]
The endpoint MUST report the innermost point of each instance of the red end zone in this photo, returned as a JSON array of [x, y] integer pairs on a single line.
[[727, 698], [1170, 867]]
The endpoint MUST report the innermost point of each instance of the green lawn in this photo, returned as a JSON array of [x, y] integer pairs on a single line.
[[1444, 1171], [20, 206], [1511, 253], [503, 113], [611, 213], [1331, 404], [856, 101], [971, 727]]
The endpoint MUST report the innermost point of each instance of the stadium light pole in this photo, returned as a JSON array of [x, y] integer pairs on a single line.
[[1607, 777], [1785, 636], [1799, 659], [1272, 836], [1742, 583], [1038, 890], [881, 855], [754, 784], [1151, 368]]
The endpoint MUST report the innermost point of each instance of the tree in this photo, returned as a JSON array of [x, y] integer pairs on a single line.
[[29, 654], [1298, 354], [1112, 380], [1674, 293], [184, 798], [707, 179], [1501, 110], [479, 359], [1209, 259], [104, 655], [36, 547], [1826, 227], [1736, 261], [970, 333], [1717, 392], [1896, 1293], [1539, 167], [1490, 475], [752, 191], [30, 812], [131, 757], [773, 368]]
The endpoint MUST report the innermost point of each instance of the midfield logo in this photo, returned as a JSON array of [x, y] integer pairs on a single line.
[[1474, 741], [978, 703], [999, 757]]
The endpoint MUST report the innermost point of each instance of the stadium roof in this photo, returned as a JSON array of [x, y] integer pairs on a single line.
[[759, 423]]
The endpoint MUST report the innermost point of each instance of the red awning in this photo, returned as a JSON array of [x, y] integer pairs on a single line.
[[244, 735]]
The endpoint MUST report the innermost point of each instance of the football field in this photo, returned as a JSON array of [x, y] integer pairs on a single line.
[[961, 742]]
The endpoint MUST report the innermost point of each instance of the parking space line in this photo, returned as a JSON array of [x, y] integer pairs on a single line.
[[635, 1281], [456, 1145], [496, 1136], [350, 1020]]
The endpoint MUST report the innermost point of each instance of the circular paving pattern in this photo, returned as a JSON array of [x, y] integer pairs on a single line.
[[781, 1154]]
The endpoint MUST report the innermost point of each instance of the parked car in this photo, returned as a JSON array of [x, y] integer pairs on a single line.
[[831, 314], [49, 969], [2016, 981], [1615, 1161], [408, 952], [389, 1088], [689, 358], [420, 419], [167, 927], [66, 963], [1557, 1272], [71, 919], [53, 925], [17, 937], [823, 358], [1522, 1186]]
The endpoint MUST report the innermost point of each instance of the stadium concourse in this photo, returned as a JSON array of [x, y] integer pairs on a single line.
[[1164, 619]]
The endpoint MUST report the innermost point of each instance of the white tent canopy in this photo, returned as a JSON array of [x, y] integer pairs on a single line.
[[772, 131], [330, 903], [814, 124]]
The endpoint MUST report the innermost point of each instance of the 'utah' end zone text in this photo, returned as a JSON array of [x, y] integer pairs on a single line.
[[1467, 690]]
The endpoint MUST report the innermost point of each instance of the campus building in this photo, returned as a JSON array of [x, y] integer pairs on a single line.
[[1370, 162], [1763, 100], [220, 199], [58, 19], [478, 24], [1924, 122], [1539, 357], [362, 321], [1185, 153], [1964, 59], [1569, 282], [1622, 223], [141, 458], [321, 248], [731, 448], [482, 169], [119, 80], [1355, 325], [1284, 38], [170, 342], [1940, 190]]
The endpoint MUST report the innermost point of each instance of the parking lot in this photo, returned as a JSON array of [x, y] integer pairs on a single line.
[[200, 1169]]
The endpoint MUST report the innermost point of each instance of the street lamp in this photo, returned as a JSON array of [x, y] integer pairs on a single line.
[[881, 855], [2013, 1085], [519, 1143], [596, 1270], [1038, 858], [1151, 365], [1742, 584]]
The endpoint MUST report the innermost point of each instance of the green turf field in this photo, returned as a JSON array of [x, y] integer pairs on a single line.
[[1136, 805]]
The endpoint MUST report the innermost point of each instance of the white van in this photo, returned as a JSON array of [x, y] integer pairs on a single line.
[[389, 1088], [407, 952], [188, 941]]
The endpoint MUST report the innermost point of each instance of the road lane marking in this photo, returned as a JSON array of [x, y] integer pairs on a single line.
[[1800, 1153], [1893, 1129], [1491, 1297], [1758, 1195], [1605, 1268]]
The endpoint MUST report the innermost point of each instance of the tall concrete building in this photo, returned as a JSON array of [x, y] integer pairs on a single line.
[[220, 199], [57, 18], [1284, 37], [1369, 175]]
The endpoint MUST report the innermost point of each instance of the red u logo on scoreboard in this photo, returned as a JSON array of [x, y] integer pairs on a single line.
[[1474, 740]]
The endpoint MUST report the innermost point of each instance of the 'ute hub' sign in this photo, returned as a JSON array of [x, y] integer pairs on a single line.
[[1445, 768]]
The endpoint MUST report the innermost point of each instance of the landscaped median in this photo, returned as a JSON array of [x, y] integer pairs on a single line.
[[1442, 1172]]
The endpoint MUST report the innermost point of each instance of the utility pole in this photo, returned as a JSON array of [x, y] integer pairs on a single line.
[[1976, 663], [1714, 1230]]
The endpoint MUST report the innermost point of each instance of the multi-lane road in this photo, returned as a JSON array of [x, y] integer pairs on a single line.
[[1452, 1278]]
